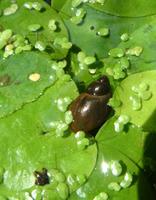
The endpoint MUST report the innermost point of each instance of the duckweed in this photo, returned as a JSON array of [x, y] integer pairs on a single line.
[[28, 5], [80, 135], [116, 168], [92, 71], [124, 63], [101, 196], [124, 37], [62, 103], [68, 117], [141, 93], [103, 31], [6, 35], [128, 179], [121, 122], [116, 53], [114, 102], [40, 45], [52, 25], [114, 186], [72, 181], [89, 60], [82, 144], [8, 51], [79, 16], [81, 178], [136, 51], [10, 10], [37, 6], [62, 42], [34, 27], [136, 102]]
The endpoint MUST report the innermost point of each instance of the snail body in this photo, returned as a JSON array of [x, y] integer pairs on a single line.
[[90, 109]]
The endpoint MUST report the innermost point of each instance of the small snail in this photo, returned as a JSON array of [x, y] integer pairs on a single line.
[[42, 178], [90, 109]]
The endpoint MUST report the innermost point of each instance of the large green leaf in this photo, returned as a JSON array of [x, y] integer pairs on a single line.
[[145, 115], [25, 17], [28, 139], [132, 134], [138, 28], [113, 146], [29, 143], [128, 8], [145, 61], [16, 88], [85, 35], [91, 188], [140, 37]]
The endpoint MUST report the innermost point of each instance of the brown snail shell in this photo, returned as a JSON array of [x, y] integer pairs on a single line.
[[89, 111], [99, 87]]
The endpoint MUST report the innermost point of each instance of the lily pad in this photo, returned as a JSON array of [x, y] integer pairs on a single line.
[[92, 43], [111, 148], [91, 189], [27, 145], [145, 115], [23, 78], [127, 8], [139, 38], [135, 136]]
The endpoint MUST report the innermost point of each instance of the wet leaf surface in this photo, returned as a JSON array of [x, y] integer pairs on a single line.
[[25, 17], [40, 157], [143, 117], [16, 87], [32, 144], [112, 146]]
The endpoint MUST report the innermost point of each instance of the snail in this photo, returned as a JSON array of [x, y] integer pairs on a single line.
[[41, 177], [90, 109]]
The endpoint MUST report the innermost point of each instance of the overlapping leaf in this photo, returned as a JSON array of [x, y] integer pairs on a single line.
[[90, 41], [112, 146], [16, 88], [28, 144], [128, 8], [145, 116], [28, 140], [140, 37]]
